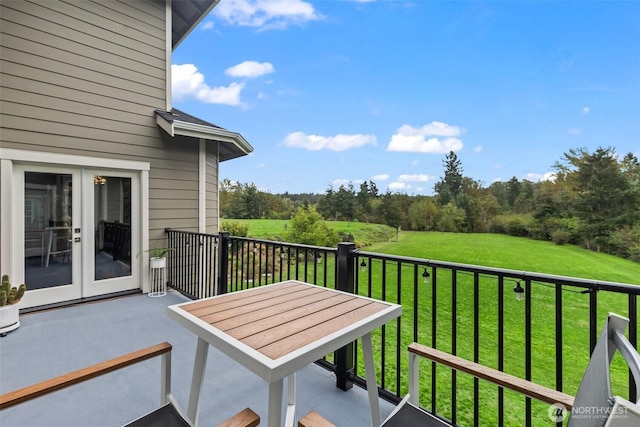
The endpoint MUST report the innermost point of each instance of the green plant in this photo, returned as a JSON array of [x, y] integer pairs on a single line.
[[10, 294], [157, 252]]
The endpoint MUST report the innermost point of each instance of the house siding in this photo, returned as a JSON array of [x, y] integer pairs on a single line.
[[84, 78]]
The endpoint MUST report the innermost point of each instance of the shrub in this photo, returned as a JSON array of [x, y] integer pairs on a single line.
[[307, 227], [235, 228], [560, 237], [516, 225]]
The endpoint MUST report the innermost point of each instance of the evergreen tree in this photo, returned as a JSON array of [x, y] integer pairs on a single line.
[[601, 192], [449, 188]]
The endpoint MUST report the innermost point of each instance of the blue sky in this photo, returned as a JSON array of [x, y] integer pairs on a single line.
[[332, 92]]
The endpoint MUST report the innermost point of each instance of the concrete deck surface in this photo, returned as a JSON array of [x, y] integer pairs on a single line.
[[58, 341]]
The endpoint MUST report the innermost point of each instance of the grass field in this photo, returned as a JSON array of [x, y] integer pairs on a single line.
[[454, 310], [492, 250]]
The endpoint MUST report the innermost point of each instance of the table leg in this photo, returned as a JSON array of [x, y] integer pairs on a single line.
[[274, 416], [372, 384], [199, 366], [290, 416]]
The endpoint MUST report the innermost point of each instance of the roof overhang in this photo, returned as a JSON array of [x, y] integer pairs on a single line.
[[232, 145], [186, 15]]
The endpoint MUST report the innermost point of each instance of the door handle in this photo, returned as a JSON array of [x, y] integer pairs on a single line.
[[76, 239]]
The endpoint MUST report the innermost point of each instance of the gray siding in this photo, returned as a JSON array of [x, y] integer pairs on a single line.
[[84, 78]]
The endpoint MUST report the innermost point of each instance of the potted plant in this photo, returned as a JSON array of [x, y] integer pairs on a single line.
[[9, 299], [157, 256]]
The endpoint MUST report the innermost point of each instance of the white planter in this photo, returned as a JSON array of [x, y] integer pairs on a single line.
[[158, 262], [9, 318], [157, 277]]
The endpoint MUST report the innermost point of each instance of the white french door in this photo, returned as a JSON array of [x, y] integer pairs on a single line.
[[77, 231]]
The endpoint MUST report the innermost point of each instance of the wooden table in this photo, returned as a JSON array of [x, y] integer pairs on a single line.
[[276, 330]]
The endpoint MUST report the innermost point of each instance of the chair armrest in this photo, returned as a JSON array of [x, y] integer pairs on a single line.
[[84, 374], [494, 376], [244, 418], [313, 419]]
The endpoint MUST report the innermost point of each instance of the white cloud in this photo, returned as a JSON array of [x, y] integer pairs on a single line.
[[207, 25], [435, 137], [478, 148], [267, 14], [398, 186], [250, 69], [414, 178], [380, 177], [535, 177], [586, 110], [188, 82], [574, 131], [337, 183], [339, 142]]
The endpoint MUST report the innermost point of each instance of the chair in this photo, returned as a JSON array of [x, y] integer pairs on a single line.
[[169, 414], [594, 391], [57, 241], [595, 388]]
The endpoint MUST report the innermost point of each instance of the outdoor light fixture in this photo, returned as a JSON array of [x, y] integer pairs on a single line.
[[363, 266], [318, 258], [519, 290], [425, 276]]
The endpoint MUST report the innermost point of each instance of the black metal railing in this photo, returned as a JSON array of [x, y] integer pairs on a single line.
[[544, 334]]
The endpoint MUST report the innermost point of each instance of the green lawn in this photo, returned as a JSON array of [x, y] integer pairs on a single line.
[[516, 253], [493, 250], [496, 251]]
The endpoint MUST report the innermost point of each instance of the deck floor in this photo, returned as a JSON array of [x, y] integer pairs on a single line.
[[57, 341]]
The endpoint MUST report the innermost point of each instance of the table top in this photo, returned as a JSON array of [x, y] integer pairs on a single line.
[[274, 330]]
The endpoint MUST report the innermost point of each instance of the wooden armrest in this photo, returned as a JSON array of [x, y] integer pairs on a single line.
[[313, 419], [494, 376], [66, 380], [244, 418]]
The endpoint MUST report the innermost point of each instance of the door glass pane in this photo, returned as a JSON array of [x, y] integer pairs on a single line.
[[112, 203], [47, 229]]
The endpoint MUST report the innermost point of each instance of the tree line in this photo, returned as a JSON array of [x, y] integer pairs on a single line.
[[592, 201]]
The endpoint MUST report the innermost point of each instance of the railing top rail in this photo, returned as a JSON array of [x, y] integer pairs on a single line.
[[277, 243], [194, 233], [591, 284]]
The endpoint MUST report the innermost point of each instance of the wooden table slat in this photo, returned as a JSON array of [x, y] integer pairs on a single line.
[[254, 322], [239, 296], [232, 302], [258, 305], [300, 339], [278, 333]]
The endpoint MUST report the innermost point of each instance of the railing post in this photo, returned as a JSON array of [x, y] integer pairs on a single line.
[[223, 261], [345, 283]]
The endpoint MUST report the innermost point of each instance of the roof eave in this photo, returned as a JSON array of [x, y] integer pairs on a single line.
[[194, 130], [213, 4]]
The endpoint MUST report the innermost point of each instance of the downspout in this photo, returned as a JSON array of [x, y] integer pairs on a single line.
[[202, 210], [168, 47], [202, 187]]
